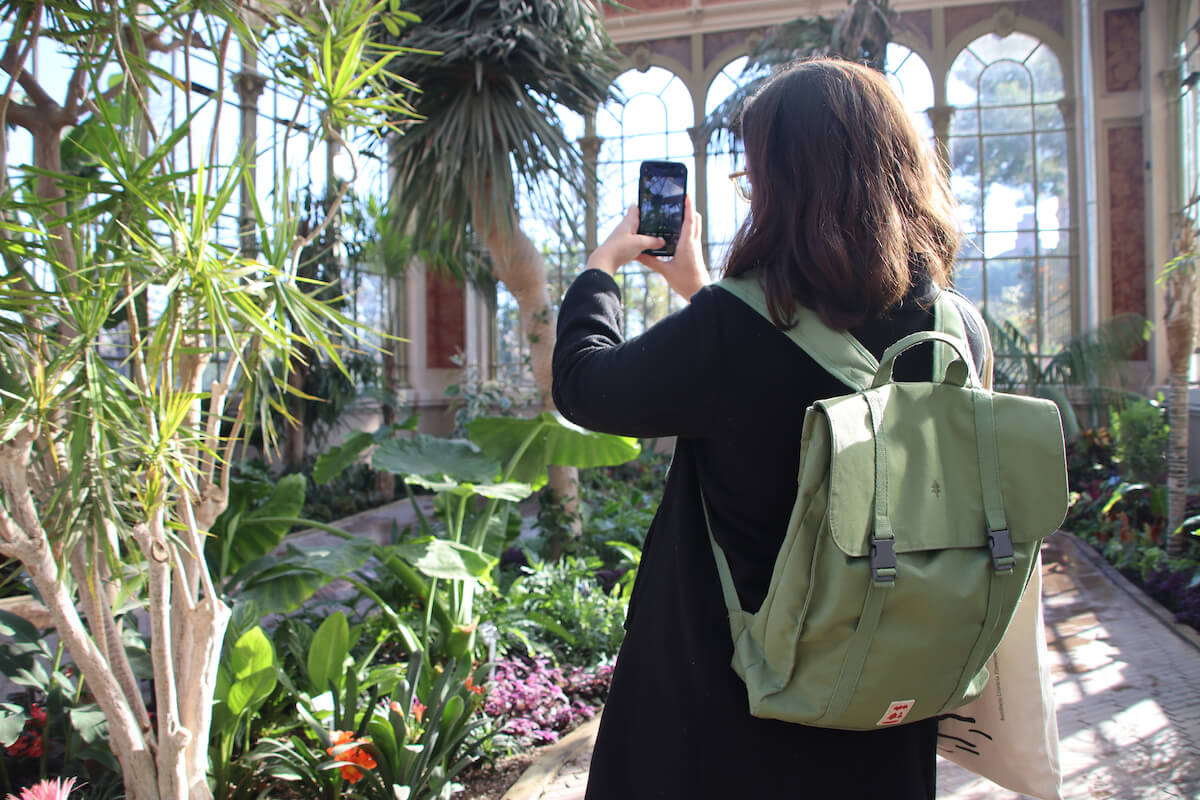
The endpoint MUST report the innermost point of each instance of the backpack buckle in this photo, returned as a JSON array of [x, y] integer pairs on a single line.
[[883, 559], [1000, 543]]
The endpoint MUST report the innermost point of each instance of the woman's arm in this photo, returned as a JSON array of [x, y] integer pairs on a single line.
[[658, 384]]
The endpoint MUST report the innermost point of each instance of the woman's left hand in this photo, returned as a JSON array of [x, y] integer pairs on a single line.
[[623, 245]]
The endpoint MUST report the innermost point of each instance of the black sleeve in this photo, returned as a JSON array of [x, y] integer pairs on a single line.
[[657, 384]]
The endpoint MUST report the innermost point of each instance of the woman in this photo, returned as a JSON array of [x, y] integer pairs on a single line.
[[849, 217]]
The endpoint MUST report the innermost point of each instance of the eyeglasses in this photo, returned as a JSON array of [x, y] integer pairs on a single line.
[[741, 183]]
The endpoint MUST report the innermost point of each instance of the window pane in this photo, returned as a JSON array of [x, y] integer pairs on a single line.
[[726, 210], [992, 48], [968, 279], [911, 79], [1005, 83], [1006, 119], [962, 87], [964, 122], [1047, 74]]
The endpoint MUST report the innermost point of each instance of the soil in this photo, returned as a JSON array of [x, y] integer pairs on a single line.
[[490, 780]]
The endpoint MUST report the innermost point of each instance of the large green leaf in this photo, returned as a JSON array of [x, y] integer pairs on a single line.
[[439, 558], [281, 584], [332, 462], [12, 722], [326, 659], [249, 692], [432, 457], [253, 538], [547, 439]]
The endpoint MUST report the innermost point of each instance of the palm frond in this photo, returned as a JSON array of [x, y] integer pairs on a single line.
[[492, 77]]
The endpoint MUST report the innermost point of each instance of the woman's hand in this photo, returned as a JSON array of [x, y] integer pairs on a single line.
[[623, 245], [685, 271]]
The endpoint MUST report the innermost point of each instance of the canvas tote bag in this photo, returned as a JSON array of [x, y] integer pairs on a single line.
[[1009, 734]]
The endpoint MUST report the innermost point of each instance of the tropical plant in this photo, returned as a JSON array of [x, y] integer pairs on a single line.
[[1181, 306], [1084, 365], [504, 461], [494, 79], [137, 349]]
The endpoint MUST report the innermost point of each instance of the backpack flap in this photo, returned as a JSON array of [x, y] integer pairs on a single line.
[[933, 467]]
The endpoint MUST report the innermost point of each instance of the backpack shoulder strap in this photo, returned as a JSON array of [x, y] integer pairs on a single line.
[[837, 352], [957, 316]]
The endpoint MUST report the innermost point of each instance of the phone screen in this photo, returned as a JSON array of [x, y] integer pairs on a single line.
[[661, 189]]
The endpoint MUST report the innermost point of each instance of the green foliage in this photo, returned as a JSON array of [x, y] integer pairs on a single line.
[[476, 397], [69, 732], [238, 536], [560, 608], [1139, 429]]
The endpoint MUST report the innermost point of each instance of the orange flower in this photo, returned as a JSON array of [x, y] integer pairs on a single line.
[[418, 709], [470, 686], [354, 754]]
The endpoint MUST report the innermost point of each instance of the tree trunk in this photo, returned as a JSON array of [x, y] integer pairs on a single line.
[[1177, 460], [1181, 337], [522, 270]]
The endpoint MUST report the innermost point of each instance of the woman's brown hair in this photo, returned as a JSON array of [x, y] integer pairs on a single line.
[[848, 208]]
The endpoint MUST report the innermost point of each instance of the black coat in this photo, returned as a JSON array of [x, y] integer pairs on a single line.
[[734, 390]]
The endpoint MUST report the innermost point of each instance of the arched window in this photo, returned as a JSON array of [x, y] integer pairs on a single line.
[[910, 77], [1009, 171], [651, 124], [725, 210]]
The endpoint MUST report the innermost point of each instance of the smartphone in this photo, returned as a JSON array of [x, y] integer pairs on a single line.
[[662, 186]]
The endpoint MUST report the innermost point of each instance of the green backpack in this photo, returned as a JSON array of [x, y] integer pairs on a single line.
[[918, 520]]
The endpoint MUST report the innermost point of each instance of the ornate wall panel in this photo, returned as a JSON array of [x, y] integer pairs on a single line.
[[446, 328], [678, 49], [1123, 50], [1126, 227], [918, 23]]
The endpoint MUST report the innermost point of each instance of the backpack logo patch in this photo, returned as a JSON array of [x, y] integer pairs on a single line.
[[936, 489], [896, 713]]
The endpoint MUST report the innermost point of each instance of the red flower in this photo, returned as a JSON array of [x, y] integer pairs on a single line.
[[30, 743], [353, 754]]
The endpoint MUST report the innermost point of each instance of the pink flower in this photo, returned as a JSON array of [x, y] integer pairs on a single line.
[[57, 789]]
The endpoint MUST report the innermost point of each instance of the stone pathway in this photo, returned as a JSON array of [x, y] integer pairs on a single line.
[[1126, 684]]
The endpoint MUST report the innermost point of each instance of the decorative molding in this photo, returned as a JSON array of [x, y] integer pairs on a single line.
[[249, 86], [1005, 20], [590, 147], [713, 17], [1123, 49], [939, 117], [641, 57]]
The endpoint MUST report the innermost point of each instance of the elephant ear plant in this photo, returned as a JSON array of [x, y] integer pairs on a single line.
[[503, 461], [137, 349]]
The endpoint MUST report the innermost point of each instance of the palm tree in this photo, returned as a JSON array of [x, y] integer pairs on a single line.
[[493, 78]]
